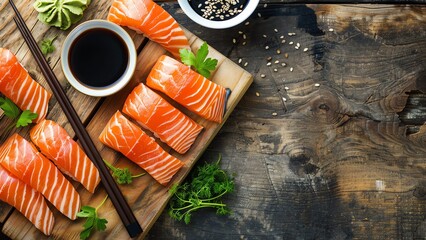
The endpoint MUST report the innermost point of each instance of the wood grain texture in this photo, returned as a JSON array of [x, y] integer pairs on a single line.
[[332, 160]]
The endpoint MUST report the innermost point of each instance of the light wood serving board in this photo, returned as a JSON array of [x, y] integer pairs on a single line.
[[146, 197]]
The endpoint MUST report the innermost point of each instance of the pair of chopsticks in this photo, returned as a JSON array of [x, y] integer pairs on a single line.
[[114, 193]]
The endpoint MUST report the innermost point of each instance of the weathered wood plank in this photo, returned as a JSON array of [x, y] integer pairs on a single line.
[[335, 161]]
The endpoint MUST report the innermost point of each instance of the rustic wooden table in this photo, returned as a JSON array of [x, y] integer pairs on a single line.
[[330, 146]]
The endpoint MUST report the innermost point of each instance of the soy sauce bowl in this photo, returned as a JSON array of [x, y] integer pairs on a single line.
[[98, 58], [248, 9]]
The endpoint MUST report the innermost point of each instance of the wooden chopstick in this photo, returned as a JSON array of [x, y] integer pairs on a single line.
[[123, 209]]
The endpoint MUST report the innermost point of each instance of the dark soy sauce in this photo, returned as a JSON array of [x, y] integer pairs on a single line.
[[98, 57]]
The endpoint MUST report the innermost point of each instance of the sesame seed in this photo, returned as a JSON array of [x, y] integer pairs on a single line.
[[282, 37], [268, 64], [244, 43], [330, 30], [234, 40], [290, 43], [264, 35], [286, 55], [262, 75], [278, 51], [286, 88], [305, 49], [283, 41], [239, 32], [284, 99], [298, 44], [265, 5], [277, 61], [259, 15], [283, 64], [275, 30], [247, 23], [269, 59], [274, 114], [291, 69], [257, 94], [245, 64], [317, 84], [240, 60], [296, 47], [266, 47], [275, 70], [199, 5], [244, 36]]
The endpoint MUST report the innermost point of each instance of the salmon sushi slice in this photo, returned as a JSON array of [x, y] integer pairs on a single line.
[[55, 143], [126, 137], [188, 88], [22, 159], [26, 200], [17, 85], [145, 16], [166, 122]]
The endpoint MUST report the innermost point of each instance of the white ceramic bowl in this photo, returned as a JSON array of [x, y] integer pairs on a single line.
[[242, 16], [119, 83]]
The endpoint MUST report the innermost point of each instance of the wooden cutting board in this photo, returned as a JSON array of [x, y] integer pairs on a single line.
[[146, 197]]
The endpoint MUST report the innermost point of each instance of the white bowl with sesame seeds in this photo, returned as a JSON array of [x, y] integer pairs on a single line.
[[231, 13]]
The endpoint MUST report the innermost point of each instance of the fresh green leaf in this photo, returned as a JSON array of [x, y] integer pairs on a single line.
[[47, 46], [9, 108], [204, 190], [92, 221], [26, 118], [198, 61], [122, 175]]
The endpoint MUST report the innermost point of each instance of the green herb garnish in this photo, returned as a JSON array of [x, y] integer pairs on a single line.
[[202, 65], [93, 221], [12, 111], [47, 46], [122, 175], [209, 184]]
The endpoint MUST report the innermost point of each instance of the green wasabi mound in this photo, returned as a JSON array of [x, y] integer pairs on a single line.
[[60, 13]]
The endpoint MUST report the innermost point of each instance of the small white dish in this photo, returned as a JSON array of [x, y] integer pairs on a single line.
[[121, 81], [220, 24]]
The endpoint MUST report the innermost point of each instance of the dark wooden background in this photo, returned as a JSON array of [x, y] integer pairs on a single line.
[[344, 159]]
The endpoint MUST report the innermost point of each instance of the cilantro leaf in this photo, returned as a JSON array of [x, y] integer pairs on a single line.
[[122, 175], [205, 190], [47, 46], [198, 61], [92, 221], [26, 118], [9, 108]]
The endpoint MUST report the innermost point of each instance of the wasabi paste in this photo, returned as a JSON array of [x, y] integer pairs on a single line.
[[60, 13]]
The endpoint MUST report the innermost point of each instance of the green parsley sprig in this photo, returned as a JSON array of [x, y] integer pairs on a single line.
[[47, 46], [122, 175], [208, 185], [199, 61], [93, 222], [22, 119]]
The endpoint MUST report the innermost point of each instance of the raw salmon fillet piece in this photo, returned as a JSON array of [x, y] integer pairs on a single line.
[[157, 115], [26, 200], [17, 85], [22, 159], [127, 138], [188, 88], [55, 143], [145, 16]]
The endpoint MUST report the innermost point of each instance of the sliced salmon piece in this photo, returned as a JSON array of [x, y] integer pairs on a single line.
[[127, 138], [22, 159], [55, 143], [26, 200], [18, 86], [157, 115], [188, 88], [147, 17]]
